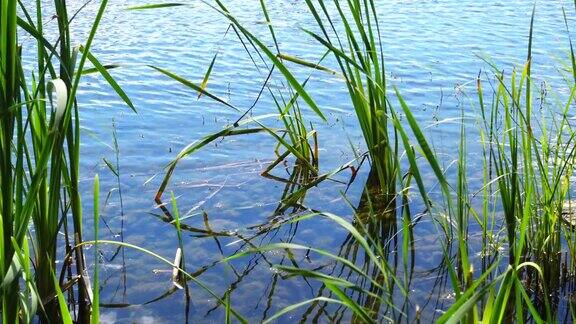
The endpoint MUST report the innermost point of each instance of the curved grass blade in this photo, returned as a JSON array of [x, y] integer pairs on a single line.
[[59, 87], [468, 299], [359, 310], [156, 6], [425, 147], [95, 70], [192, 86], [287, 74], [193, 147], [572, 54], [13, 273], [336, 51], [305, 63], [34, 33], [293, 246], [108, 77]]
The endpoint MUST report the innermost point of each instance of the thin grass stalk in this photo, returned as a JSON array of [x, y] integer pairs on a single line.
[[95, 314]]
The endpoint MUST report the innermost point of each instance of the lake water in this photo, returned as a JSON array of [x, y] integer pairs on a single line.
[[433, 56]]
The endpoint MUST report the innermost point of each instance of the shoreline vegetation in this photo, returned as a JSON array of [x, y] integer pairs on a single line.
[[523, 212]]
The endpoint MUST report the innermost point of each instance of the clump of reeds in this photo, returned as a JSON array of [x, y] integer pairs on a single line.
[[353, 38], [528, 162], [40, 152]]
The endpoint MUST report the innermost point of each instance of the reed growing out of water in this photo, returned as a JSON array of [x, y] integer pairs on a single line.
[[9, 97], [39, 163], [33, 162], [530, 152], [40, 152], [352, 36], [354, 39], [528, 164]]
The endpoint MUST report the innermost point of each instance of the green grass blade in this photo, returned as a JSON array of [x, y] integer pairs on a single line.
[[66, 317], [359, 310], [95, 70], [95, 316], [156, 6], [207, 75], [108, 77], [287, 74], [193, 86]]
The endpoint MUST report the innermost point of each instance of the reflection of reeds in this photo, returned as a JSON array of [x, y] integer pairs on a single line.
[[265, 231], [376, 218], [295, 189], [363, 274]]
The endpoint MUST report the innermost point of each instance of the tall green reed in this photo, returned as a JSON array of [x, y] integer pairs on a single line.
[[40, 136], [350, 32], [528, 161], [64, 161], [360, 56], [9, 99]]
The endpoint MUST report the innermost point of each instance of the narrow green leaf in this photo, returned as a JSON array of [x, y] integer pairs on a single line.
[[192, 86], [111, 167], [207, 76], [108, 77], [95, 70], [64, 312], [96, 285], [302, 62], [156, 6]]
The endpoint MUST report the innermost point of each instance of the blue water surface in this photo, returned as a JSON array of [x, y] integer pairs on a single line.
[[434, 52]]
